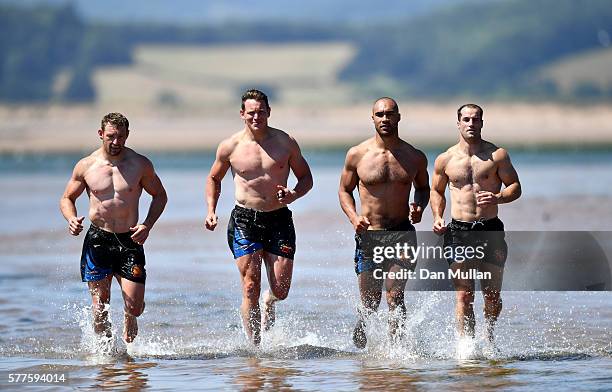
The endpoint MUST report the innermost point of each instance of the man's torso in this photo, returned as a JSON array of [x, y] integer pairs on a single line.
[[468, 175], [114, 190], [258, 167], [385, 181]]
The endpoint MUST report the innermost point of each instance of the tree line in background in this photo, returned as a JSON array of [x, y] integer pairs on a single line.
[[485, 49]]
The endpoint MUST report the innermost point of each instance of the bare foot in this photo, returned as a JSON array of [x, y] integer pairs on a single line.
[[268, 315], [103, 328], [359, 336], [130, 327]]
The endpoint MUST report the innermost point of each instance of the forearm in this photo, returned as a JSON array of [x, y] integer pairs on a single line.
[[302, 187], [347, 203], [509, 193], [155, 209], [213, 191], [421, 197], [438, 204], [68, 208]]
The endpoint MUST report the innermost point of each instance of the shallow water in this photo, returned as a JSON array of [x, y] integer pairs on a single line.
[[190, 334]]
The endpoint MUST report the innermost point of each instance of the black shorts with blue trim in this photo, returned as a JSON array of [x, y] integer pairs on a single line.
[[105, 253], [251, 230]]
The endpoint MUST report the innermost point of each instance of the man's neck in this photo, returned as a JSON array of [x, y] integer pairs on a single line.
[[471, 147], [257, 135], [387, 142]]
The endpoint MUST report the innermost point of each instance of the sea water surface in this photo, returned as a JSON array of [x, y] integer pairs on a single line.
[[191, 336]]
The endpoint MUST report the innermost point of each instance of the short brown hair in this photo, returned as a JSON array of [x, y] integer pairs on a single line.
[[118, 120], [256, 95], [471, 106]]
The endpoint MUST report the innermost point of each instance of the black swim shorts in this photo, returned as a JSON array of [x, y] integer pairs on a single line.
[[250, 230], [404, 232], [105, 253], [487, 237]]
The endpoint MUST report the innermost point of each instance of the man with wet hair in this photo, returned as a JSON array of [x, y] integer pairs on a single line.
[[474, 170], [260, 229], [114, 177], [384, 167]]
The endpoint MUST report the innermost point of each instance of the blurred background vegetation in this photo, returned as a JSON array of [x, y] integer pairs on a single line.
[[171, 54]]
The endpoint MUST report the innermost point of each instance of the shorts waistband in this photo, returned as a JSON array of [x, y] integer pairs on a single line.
[[110, 233], [256, 214], [473, 225]]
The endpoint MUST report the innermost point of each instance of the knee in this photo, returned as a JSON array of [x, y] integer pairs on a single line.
[[395, 297], [134, 309], [281, 293], [492, 298], [465, 298], [251, 290]]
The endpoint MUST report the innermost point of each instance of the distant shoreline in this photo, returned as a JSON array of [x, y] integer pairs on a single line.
[[428, 125]]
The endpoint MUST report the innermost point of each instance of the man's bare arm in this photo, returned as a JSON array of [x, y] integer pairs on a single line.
[[153, 186], [213, 182], [508, 176], [348, 182], [421, 190], [75, 187], [302, 172], [437, 197]]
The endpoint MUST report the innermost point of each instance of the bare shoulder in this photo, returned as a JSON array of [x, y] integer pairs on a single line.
[[356, 153], [499, 154], [443, 158], [85, 163], [140, 160], [227, 146], [416, 154], [283, 138]]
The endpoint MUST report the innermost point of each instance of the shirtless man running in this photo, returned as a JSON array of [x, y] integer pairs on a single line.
[[260, 229], [114, 177], [384, 167], [474, 170]]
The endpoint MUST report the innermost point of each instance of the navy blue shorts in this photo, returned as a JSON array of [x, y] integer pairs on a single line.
[[105, 253], [250, 230]]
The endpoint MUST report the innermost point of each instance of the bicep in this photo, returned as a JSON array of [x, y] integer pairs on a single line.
[[421, 180], [506, 171], [151, 182], [76, 185], [439, 179], [349, 178], [298, 163]]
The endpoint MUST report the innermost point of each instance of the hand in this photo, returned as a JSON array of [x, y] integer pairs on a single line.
[[361, 224], [416, 212], [211, 221], [285, 195], [439, 226], [75, 225], [141, 233], [484, 198]]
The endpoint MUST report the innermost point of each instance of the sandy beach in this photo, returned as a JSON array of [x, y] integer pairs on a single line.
[[65, 129]]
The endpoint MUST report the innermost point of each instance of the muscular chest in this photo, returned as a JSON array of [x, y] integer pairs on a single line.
[[120, 181], [384, 168], [470, 171], [252, 160]]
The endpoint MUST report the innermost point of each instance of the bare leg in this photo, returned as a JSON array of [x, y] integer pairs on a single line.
[[370, 290], [100, 296], [491, 291], [464, 306], [395, 300], [249, 267], [280, 272], [133, 302]]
